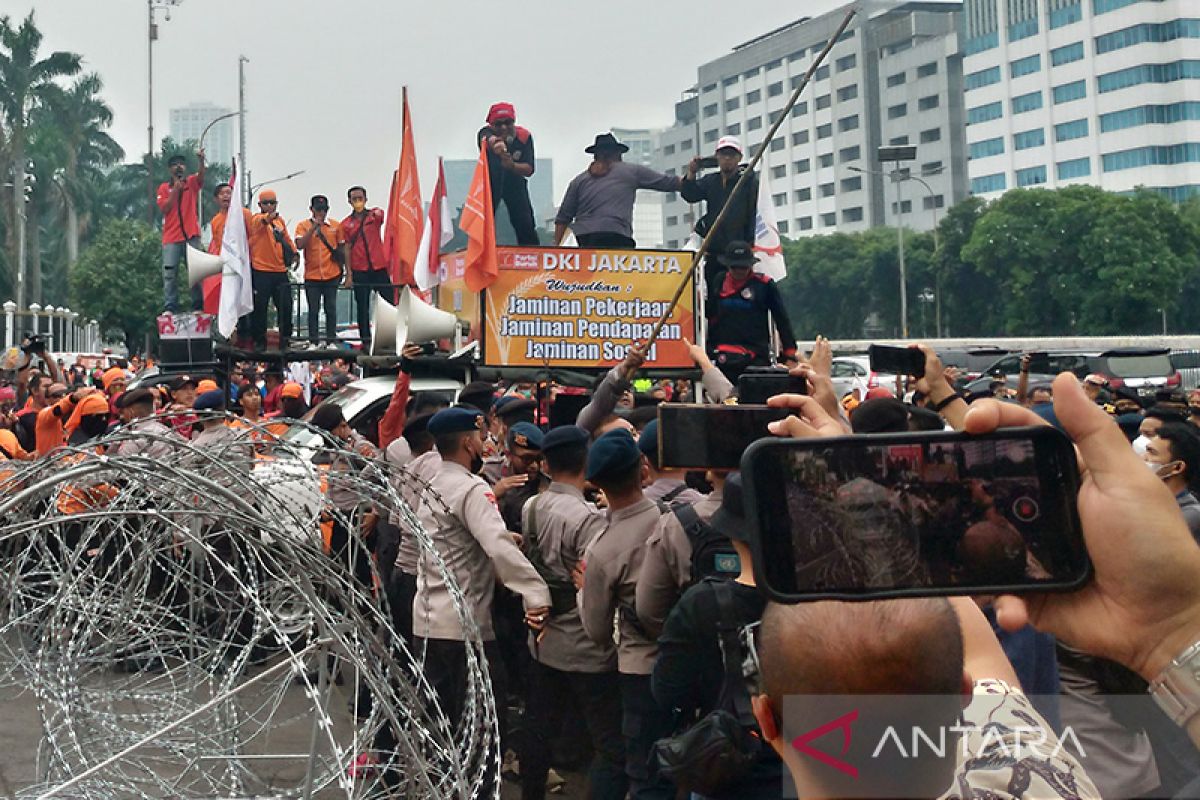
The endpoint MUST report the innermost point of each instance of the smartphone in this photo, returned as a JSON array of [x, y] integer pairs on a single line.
[[708, 162], [710, 436], [914, 514], [897, 360], [756, 387]]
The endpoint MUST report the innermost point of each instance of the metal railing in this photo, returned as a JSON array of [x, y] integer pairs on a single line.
[[67, 330]]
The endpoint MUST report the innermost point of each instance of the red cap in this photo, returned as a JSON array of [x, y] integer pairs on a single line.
[[500, 111]]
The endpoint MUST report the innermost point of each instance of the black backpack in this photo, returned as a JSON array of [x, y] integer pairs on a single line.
[[713, 555]]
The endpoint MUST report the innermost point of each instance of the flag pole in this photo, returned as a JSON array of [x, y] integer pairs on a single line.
[[762, 148]]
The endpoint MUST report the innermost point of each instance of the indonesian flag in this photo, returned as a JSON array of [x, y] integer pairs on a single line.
[[237, 292], [439, 230], [478, 223], [767, 244], [406, 208]]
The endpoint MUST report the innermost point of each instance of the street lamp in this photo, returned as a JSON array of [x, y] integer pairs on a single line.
[[152, 36], [203, 133], [258, 186]]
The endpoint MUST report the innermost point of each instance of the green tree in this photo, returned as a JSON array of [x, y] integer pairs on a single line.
[[117, 281], [25, 80]]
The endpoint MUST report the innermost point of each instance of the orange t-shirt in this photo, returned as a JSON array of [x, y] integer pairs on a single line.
[[318, 261], [266, 254], [49, 431], [217, 226]]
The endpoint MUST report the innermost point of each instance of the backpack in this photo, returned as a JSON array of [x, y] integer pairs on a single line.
[[713, 555]]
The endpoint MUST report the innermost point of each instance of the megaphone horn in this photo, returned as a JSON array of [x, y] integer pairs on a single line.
[[201, 265], [412, 321]]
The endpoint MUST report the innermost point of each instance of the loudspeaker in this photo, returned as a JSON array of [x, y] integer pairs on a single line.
[[201, 265], [412, 321]]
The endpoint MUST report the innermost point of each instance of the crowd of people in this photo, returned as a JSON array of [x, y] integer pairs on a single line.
[[605, 584]]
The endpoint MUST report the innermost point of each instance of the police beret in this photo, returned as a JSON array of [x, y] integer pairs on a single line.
[[564, 435], [648, 441], [213, 400], [525, 434], [454, 420], [135, 397], [612, 456]]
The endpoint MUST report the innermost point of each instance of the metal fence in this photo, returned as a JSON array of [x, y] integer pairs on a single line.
[[67, 330]]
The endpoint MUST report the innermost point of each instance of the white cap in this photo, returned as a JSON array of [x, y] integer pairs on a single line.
[[730, 141]]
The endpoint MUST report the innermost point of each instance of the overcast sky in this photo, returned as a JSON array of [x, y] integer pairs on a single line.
[[324, 78]]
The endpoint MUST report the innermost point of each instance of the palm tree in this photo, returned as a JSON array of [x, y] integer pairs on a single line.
[[25, 80]]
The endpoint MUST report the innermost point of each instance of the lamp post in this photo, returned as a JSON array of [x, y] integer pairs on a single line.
[[151, 37], [288, 177]]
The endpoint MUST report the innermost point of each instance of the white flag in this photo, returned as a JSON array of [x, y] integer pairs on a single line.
[[440, 225], [237, 292], [767, 244]]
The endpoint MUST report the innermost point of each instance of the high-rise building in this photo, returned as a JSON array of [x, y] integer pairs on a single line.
[[188, 124], [1083, 91], [894, 78], [648, 207], [460, 171]]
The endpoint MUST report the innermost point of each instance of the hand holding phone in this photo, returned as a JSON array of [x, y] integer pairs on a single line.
[[711, 436], [756, 387], [897, 360]]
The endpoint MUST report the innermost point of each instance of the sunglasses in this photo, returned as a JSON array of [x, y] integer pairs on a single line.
[[56, 395], [268, 202]]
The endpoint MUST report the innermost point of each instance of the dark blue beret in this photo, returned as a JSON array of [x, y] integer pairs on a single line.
[[613, 455], [454, 420], [564, 435], [525, 434], [648, 441], [210, 401]]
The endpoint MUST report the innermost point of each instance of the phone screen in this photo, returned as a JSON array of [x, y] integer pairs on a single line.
[[920, 514], [897, 360], [710, 436], [759, 387]]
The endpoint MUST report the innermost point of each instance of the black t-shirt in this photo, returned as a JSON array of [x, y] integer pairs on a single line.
[[520, 147]]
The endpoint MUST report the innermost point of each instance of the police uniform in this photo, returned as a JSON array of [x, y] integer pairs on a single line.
[[558, 525], [476, 547], [613, 563], [152, 446]]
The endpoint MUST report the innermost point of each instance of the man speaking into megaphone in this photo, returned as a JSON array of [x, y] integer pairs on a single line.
[[177, 200], [510, 164]]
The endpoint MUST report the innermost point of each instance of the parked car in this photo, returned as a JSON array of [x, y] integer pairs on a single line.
[[1145, 369], [854, 372], [972, 362]]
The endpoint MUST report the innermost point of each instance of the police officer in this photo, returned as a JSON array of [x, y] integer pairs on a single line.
[[507, 411], [236, 453], [611, 566], [158, 440], [742, 305], [524, 447], [465, 525], [665, 485], [558, 525]]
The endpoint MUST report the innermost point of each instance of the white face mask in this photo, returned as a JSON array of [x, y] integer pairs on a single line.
[[1140, 444]]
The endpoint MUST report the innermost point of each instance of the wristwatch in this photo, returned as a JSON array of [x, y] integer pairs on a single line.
[[1177, 687]]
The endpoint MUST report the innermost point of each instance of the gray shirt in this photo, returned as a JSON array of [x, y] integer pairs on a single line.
[[469, 535], [672, 490], [612, 563], [563, 524], [159, 442], [411, 481], [667, 566], [1190, 507], [605, 204], [603, 401]]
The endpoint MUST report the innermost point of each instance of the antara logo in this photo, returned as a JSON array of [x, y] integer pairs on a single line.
[[842, 723]]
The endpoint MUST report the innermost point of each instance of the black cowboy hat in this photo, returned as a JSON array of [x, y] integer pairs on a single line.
[[606, 141]]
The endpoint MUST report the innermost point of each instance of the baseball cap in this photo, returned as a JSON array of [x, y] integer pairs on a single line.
[[291, 389], [267, 194], [206, 385], [500, 111], [731, 142], [319, 202], [182, 381], [739, 254]]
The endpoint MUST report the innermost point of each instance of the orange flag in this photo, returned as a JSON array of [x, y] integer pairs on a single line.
[[409, 211], [479, 224]]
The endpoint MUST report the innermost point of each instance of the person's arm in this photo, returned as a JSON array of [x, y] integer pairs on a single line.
[[942, 396], [983, 657], [522, 168], [783, 324], [391, 425], [305, 231], [675, 681], [200, 170], [691, 189], [166, 198], [605, 398], [717, 387], [652, 179], [566, 212], [52, 367], [512, 567], [1023, 380], [596, 601], [656, 590]]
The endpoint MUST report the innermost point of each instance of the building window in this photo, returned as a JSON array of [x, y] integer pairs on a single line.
[[1023, 30], [711, 136], [796, 80], [825, 159], [1148, 73], [734, 129], [825, 131], [1148, 32], [896, 141], [712, 87], [852, 184], [1026, 102], [925, 70], [847, 92], [668, 150], [1027, 139], [733, 103], [753, 97], [848, 123], [824, 101], [775, 89], [805, 223], [754, 123], [927, 103], [988, 183], [803, 165], [1025, 66], [902, 208], [931, 135], [897, 79], [1149, 115], [853, 153], [686, 144], [778, 144], [898, 111], [1066, 15], [829, 220], [1076, 90], [779, 172], [978, 44], [1066, 131], [846, 62], [774, 64], [711, 110], [984, 77], [802, 195], [827, 190], [799, 110], [986, 148], [1075, 168], [783, 226], [936, 201], [931, 167], [673, 244], [985, 113], [1104, 6], [729, 81], [1066, 54], [672, 221], [750, 73], [1163, 155], [822, 73], [853, 214], [779, 199], [799, 137], [1034, 176]]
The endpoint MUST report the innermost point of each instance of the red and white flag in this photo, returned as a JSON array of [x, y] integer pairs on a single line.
[[237, 291], [439, 230], [767, 244]]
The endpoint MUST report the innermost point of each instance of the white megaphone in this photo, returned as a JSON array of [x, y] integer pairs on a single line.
[[201, 265], [411, 321]]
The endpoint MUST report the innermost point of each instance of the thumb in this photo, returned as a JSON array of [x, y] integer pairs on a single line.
[[1104, 448]]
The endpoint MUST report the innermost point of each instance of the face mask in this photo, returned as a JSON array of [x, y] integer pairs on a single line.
[[358, 205], [1160, 469], [1140, 444]]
